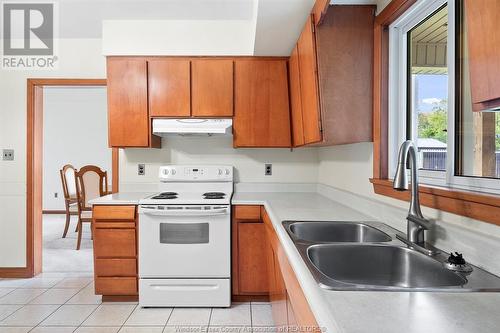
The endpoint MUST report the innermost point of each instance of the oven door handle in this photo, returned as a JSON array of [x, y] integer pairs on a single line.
[[183, 212]]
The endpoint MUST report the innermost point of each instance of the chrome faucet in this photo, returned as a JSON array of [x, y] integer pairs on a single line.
[[416, 221]]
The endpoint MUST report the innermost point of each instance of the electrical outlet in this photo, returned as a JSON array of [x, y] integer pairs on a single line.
[[269, 169], [8, 154], [56, 194], [141, 169]]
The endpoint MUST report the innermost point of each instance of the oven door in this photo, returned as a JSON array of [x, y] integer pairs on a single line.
[[184, 241]]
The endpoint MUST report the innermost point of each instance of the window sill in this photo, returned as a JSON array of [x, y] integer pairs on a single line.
[[470, 204]]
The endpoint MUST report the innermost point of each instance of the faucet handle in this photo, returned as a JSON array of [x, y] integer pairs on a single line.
[[424, 223]]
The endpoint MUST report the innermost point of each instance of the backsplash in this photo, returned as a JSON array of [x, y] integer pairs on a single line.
[[288, 166]]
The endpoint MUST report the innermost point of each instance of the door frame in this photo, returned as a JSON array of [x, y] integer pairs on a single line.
[[34, 174]]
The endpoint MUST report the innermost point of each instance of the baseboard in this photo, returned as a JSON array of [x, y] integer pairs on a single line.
[[53, 212], [250, 298], [120, 298], [15, 272]]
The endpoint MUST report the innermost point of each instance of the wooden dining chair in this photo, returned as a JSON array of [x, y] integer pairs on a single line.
[[91, 182], [68, 180]]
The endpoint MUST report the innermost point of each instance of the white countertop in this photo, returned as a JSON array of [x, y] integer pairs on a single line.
[[371, 311], [121, 198], [357, 311]]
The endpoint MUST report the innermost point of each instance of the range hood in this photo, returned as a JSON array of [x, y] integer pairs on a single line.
[[190, 126]]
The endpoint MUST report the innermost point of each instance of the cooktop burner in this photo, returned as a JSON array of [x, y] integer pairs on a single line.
[[214, 195], [166, 196]]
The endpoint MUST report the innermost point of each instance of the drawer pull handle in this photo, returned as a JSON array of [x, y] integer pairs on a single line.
[[182, 287]]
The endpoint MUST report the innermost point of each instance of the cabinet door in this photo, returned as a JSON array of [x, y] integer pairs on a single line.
[[279, 301], [482, 17], [262, 114], [127, 102], [293, 325], [295, 99], [252, 254], [309, 83], [212, 88], [169, 88]]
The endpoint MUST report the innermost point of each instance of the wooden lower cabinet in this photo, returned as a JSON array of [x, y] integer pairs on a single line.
[[289, 304], [292, 322], [278, 296], [249, 271], [115, 252]]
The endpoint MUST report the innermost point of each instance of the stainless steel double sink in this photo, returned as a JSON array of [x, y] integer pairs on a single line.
[[367, 256]]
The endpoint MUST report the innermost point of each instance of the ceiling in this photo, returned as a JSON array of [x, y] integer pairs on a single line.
[[429, 44], [277, 23]]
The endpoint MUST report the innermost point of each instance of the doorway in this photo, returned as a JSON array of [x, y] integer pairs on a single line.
[[39, 92]]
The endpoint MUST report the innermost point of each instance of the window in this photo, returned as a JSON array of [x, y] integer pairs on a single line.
[[427, 102], [430, 100]]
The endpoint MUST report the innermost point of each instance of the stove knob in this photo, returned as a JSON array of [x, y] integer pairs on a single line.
[[165, 172], [227, 171], [220, 172], [173, 172]]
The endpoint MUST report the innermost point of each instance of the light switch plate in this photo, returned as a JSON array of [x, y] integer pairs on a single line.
[[8, 154]]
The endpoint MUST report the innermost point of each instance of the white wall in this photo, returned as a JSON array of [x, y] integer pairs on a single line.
[[297, 166], [178, 37], [75, 131], [78, 58]]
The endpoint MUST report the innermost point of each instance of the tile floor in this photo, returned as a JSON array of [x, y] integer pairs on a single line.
[[62, 300], [65, 302]]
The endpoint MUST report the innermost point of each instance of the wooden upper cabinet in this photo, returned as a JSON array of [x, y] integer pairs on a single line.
[[127, 102], [262, 114], [309, 83], [319, 10], [335, 75], [483, 32], [169, 88], [212, 88], [295, 99]]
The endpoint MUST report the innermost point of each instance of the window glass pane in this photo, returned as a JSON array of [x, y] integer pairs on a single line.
[[428, 89], [478, 133]]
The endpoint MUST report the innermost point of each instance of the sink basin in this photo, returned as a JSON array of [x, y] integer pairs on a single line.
[[332, 232], [380, 267]]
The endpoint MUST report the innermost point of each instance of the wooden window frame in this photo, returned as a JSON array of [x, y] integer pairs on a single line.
[[465, 203]]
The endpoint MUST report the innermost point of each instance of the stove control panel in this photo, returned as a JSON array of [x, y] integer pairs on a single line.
[[193, 173]]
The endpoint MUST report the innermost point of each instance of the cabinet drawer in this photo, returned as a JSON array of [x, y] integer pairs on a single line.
[[115, 267], [114, 243], [251, 213], [111, 286], [114, 213]]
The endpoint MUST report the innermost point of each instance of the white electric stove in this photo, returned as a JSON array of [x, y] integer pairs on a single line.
[[185, 238]]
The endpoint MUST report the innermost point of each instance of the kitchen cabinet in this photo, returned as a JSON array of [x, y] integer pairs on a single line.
[[212, 88], [335, 71], [306, 49], [319, 10], [249, 271], [128, 118], [296, 99], [293, 325], [169, 84], [288, 302], [115, 252], [279, 296], [261, 110], [483, 45]]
